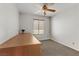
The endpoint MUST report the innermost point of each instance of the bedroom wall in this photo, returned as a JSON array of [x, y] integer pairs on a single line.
[[65, 27], [26, 22], [8, 21]]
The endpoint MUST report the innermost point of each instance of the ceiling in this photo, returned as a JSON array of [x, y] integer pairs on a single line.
[[36, 8]]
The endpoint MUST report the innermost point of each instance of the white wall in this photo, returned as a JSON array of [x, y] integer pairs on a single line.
[[65, 27], [8, 21], [26, 22]]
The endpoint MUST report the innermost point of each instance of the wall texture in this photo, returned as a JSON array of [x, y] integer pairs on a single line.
[[8, 21], [65, 27], [26, 22]]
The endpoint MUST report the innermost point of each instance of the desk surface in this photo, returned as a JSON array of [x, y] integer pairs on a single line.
[[20, 40]]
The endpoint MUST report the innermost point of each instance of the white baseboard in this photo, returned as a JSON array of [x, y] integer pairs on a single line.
[[65, 45]]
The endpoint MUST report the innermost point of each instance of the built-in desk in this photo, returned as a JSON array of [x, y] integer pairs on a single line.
[[21, 45]]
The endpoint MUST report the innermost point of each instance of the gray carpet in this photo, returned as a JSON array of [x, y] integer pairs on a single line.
[[52, 48]]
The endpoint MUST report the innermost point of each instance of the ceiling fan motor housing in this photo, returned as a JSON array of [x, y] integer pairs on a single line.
[[44, 7]]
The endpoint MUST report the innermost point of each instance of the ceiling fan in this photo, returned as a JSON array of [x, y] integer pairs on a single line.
[[45, 8]]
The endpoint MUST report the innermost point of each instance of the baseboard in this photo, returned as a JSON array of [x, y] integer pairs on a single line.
[[65, 45], [2, 42], [44, 40]]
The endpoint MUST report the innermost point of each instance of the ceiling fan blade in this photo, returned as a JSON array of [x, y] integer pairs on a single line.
[[52, 10]]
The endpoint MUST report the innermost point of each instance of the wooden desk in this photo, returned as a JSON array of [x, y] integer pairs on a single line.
[[21, 45]]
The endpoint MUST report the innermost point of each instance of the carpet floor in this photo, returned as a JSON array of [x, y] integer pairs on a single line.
[[52, 48]]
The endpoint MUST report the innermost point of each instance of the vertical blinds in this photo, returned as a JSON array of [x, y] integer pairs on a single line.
[[38, 26]]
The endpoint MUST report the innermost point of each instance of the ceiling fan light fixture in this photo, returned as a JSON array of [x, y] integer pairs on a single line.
[[44, 13], [45, 9]]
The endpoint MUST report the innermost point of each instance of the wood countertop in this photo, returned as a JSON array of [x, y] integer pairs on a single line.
[[20, 40]]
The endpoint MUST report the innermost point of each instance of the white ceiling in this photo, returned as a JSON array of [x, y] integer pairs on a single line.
[[36, 8]]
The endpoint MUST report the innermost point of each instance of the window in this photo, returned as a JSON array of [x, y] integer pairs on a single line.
[[38, 26]]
